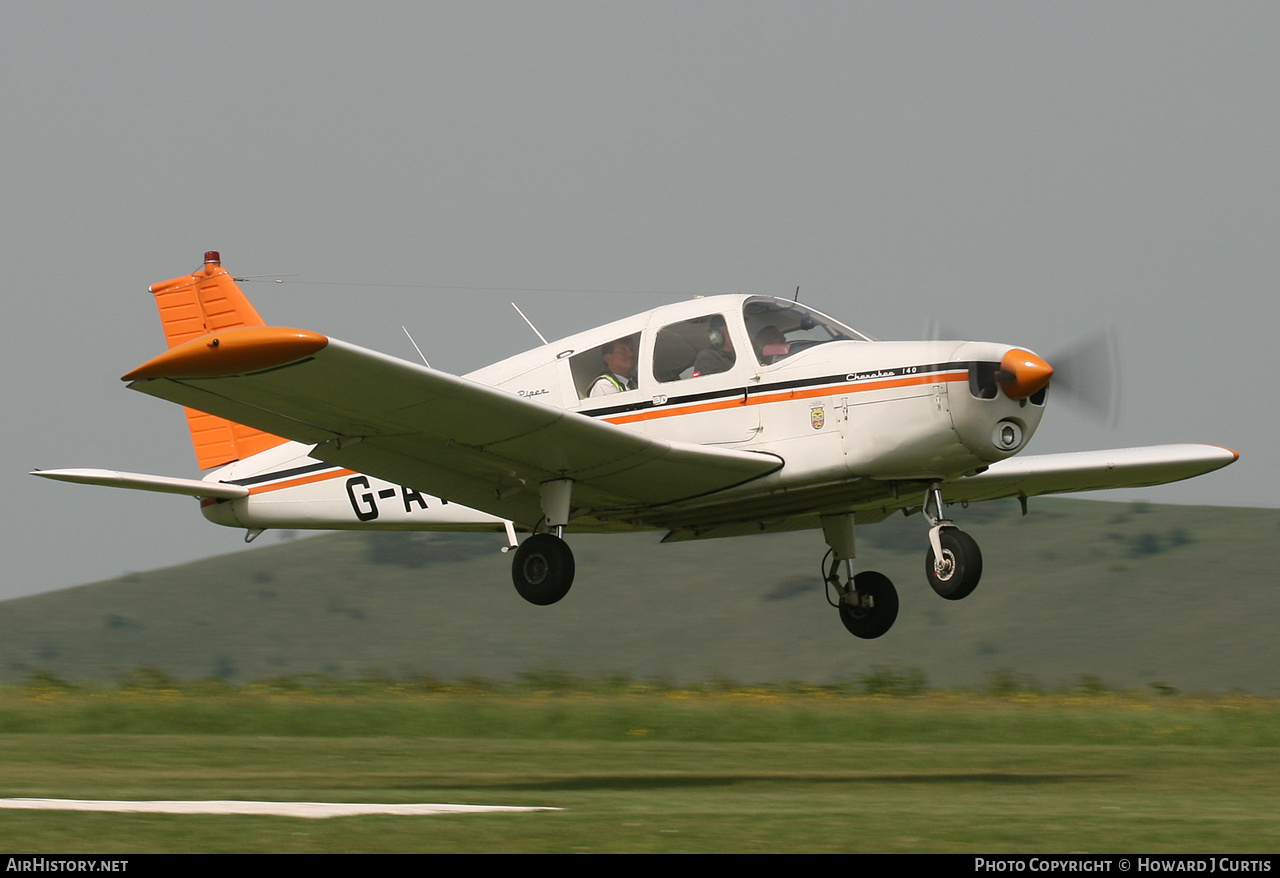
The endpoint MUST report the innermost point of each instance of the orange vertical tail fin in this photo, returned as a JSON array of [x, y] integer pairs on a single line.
[[194, 305]]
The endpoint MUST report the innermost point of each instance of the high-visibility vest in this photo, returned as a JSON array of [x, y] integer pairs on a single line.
[[612, 380]]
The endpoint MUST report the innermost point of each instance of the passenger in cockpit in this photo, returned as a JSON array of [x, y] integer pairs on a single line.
[[720, 356]]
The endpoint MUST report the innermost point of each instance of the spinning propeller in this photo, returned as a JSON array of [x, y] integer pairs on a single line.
[[1087, 373]]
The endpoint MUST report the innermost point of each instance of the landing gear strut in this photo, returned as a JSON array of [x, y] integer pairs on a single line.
[[543, 567], [870, 607], [868, 601], [953, 565]]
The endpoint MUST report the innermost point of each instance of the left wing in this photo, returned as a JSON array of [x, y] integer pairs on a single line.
[[1090, 471], [456, 439]]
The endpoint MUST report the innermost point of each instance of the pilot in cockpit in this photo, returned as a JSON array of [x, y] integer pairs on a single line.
[[620, 369], [771, 345]]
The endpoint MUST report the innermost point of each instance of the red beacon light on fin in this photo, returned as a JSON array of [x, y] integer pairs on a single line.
[[212, 256]]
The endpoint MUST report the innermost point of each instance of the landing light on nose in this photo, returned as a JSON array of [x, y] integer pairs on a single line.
[[1022, 373]]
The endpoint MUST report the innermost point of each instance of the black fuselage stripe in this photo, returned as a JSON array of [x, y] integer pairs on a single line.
[[729, 393], [283, 474], [779, 386]]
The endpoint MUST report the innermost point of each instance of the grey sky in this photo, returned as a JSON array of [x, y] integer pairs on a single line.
[[1021, 172]]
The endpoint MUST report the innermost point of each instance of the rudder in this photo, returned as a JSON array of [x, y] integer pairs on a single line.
[[209, 300]]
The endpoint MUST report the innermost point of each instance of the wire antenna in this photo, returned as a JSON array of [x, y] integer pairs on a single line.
[[249, 277]]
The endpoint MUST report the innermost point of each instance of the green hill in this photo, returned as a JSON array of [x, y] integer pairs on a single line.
[[1134, 594]]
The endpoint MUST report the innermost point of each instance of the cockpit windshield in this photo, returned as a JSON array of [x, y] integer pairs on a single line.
[[779, 329]]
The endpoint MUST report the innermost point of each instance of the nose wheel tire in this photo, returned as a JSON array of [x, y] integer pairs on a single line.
[[542, 569], [876, 606], [961, 568]]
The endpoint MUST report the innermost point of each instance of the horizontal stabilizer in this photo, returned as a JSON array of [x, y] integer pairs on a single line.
[[144, 482]]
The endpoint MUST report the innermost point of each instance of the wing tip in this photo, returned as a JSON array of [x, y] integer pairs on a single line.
[[1219, 459], [231, 352], [1235, 455]]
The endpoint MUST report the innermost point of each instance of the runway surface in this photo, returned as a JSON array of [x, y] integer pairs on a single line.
[[272, 809]]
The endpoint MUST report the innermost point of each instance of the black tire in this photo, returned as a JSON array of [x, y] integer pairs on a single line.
[[870, 623], [966, 565], [542, 569]]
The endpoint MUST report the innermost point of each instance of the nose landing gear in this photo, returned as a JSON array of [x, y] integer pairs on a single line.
[[953, 565]]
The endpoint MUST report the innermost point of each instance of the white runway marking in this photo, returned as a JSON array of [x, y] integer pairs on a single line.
[[273, 809]]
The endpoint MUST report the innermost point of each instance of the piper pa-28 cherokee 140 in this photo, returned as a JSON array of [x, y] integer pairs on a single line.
[[716, 417]]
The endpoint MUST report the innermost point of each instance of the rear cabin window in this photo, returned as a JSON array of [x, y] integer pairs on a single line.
[[693, 348]]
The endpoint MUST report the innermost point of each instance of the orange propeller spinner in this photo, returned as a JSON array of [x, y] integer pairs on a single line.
[[1022, 373]]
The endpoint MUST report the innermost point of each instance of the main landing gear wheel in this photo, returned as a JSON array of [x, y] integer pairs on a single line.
[[875, 607], [543, 569], [961, 568]]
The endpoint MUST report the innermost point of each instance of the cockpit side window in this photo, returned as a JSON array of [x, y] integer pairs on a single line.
[[607, 369], [693, 348], [779, 329]]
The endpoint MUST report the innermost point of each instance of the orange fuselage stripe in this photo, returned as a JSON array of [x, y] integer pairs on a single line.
[[303, 480], [784, 396], [760, 399]]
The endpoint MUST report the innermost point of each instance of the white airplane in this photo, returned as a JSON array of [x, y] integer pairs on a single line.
[[720, 416]]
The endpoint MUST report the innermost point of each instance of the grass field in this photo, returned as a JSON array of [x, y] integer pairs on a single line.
[[1142, 596], [645, 769]]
